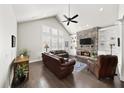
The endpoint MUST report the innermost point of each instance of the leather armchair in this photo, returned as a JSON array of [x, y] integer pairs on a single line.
[[60, 67], [105, 66]]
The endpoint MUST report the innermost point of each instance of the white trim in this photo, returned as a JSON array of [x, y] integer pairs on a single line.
[[35, 18], [35, 60]]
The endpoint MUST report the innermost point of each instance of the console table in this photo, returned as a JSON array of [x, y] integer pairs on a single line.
[[21, 64]]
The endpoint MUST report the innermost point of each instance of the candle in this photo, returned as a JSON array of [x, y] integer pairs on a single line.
[[22, 56]]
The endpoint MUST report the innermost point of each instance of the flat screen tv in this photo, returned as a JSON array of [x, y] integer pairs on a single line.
[[86, 41]]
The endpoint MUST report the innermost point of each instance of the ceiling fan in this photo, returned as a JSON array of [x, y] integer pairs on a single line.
[[70, 19]]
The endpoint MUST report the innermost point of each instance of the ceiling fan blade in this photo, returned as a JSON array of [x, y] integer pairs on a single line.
[[74, 21], [68, 23], [74, 16], [65, 16]]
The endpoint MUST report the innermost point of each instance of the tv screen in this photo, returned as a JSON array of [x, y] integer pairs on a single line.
[[86, 41]]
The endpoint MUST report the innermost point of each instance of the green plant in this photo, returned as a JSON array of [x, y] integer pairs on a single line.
[[94, 54], [24, 52], [21, 71]]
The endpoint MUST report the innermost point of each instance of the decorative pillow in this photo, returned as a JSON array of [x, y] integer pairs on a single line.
[[51, 54], [66, 59]]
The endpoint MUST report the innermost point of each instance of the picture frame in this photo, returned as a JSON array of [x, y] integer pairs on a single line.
[[118, 40], [13, 41]]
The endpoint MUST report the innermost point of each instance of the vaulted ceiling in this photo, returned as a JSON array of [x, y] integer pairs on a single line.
[[90, 15]]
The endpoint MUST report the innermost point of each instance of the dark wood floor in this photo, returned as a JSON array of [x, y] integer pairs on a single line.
[[41, 77]]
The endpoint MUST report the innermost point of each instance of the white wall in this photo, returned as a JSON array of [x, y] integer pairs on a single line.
[[7, 53], [30, 35], [121, 27], [122, 48], [104, 40], [121, 11]]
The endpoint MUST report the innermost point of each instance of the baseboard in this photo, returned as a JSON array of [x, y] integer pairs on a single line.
[[11, 81], [34, 60]]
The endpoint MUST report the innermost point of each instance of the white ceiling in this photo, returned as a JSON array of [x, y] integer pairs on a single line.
[[89, 14]]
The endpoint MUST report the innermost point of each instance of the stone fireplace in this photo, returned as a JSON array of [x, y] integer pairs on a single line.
[[87, 50]]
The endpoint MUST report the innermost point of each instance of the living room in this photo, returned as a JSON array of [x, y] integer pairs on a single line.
[[58, 43]]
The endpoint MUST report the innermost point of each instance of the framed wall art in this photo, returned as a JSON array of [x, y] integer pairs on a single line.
[[13, 41]]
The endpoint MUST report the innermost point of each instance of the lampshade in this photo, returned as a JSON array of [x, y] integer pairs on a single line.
[[46, 46]]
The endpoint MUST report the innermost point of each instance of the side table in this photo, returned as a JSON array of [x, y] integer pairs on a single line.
[[21, 69]]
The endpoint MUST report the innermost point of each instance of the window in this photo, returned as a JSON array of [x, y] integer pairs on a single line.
[[53, 37]]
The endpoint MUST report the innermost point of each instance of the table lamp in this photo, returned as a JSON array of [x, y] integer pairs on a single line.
[[112, 43], [46, 47]]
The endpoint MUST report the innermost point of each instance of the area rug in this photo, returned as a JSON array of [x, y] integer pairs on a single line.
[[79, 66]]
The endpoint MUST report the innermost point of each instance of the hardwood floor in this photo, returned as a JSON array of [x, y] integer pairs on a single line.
[[41, 77]]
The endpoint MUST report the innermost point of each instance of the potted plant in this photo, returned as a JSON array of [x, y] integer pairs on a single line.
[[23, 52], [21, 72], [94, 54]]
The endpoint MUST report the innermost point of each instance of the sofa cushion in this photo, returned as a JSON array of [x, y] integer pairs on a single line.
[[60, 53]]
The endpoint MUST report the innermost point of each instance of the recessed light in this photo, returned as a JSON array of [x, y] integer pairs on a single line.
[[101, 9]]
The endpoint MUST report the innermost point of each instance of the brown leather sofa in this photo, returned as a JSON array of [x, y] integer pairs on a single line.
[[61, 53], [60, 67], [105, 66]]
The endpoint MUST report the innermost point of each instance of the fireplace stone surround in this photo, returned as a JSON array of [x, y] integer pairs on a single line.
[[87, 50]]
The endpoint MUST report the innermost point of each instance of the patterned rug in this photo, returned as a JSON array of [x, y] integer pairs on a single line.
[[79, 66]]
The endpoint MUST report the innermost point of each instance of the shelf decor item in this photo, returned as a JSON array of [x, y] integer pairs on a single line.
[[94, 54], [21, 55], [66, 43]]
